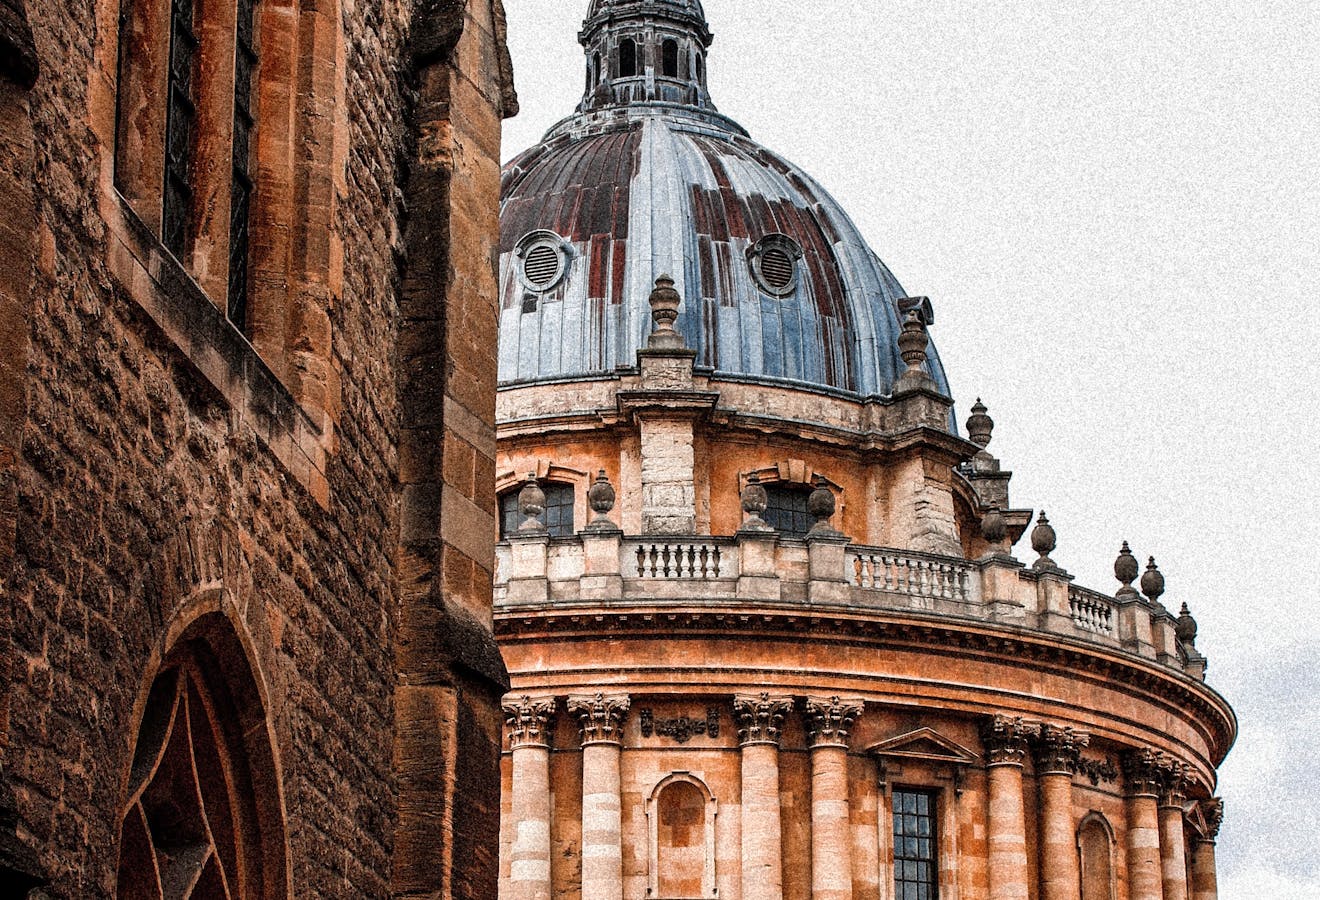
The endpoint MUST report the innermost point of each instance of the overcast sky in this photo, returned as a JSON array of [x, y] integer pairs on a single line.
[[1115, 209]]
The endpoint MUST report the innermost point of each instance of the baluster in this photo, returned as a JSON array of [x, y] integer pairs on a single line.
[[891, 576], [716, 555], [641, 561], [655, 557]]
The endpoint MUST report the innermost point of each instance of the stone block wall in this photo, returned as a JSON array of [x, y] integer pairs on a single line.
[[155, 468]]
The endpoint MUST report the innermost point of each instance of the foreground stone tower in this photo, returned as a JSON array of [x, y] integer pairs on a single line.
[[765, 629]]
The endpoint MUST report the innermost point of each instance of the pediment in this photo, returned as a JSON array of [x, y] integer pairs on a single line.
[[924, 743]]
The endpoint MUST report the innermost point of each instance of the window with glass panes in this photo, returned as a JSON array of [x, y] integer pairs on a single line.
[[915, 869], [786, 509], [558, 515]]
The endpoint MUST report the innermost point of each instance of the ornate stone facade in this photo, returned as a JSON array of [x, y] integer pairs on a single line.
[[700, 358]]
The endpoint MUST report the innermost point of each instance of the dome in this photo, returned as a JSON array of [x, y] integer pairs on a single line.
[[648, 179]]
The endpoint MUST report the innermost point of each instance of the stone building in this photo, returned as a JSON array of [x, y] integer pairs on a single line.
[[247, 392], [756, 590]]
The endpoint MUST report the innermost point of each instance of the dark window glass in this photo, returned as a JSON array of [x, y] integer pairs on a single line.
[[627, 58], [558, 515], [180, 124], [786, 508], [240, 197], [669, 53], [915, 865], [700, 66], [595, 68]]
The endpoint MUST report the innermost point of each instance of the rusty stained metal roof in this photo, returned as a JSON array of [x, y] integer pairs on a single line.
[[654, 189]]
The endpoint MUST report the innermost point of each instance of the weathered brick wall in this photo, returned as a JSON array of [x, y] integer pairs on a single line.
[[150, 488]]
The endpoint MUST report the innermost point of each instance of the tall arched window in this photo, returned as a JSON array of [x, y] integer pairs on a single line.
[[202, 817], [627, 58], [669, 59], [1095, 840]]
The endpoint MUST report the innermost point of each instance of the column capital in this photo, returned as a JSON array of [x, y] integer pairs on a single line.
[[1212, 811], [1006, 739], [1145, 771], [527, 720], [600, 716], [760, 717], [1058, 750], [1173, 785], [829, 720]]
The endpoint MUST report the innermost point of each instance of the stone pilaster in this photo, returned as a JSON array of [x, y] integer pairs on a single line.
[[1057, 754], [760, 718], [1173, 852], [1205, 878], [528, 723], [829, 721], [600, 719], [1143, 771], [1006, 743]]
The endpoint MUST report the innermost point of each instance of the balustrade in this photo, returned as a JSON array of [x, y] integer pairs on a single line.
[[678, 559], [1091, 611], [909, 574]]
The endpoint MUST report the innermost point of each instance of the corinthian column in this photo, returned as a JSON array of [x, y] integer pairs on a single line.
[[1143, 771], [1173, 852], [527, 721], [760, 718], [600, 718], [1006, 741], [1057, 754], [1205, 881], [829, 720]]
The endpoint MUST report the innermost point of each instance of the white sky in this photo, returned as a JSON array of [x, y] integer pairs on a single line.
[[1115, 209]]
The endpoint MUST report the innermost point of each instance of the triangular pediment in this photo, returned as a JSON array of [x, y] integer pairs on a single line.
[[924, 743]]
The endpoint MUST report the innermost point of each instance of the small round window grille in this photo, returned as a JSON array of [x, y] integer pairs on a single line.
[[777, 268], [541, 267], [774, 264]]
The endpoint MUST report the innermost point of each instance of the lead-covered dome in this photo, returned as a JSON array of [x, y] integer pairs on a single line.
[[648, 179]]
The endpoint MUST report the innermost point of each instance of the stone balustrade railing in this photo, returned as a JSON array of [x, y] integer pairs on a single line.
[[608, 569]]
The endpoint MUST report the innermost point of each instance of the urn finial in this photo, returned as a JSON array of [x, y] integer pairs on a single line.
[[754, 501], [1043, 541], [531, 504], [1152, 582], [1185, 628], [664, 312], [994, 528], [601, 496], [1126, 571], [821, 505], [912, 342], [980, 426]]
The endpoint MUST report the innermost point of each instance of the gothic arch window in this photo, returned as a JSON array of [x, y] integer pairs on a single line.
[[1095, 845], [669, 58], [681, 813], [557, 516], [627, 58], [202, 817]]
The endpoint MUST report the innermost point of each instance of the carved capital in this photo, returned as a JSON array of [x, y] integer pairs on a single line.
[[1058, 751], [527, 720], [1007, 738], [760, 717], [1144, 770], [600, 716], [1173, 785], [830, 719], [1212, 811]]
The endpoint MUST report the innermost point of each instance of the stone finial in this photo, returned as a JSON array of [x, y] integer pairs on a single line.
[[760, 717], [754, 502], [601, 497], [1007, 738], [664, 312], [531, 504], [1152, 582], [912, 343], [829, 720], [1185, 628], [600, 716], [979, 425], [1126, 570], [994, 527], [528, 720], [821, 505], [1043, 541]]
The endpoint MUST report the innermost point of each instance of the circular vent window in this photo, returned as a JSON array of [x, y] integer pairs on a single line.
[[542, 261], [774, 263]]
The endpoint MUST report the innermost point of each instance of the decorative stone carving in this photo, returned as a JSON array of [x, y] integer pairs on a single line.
[[1175, 777], [829, 720], [1007, 738], [754, 502], [1059, 750], [531, 504], [760, 717], [1152, 582], [664, 312], [1126, 571], [1098, 770], [994, 528], [1043, 541], [528, 720], [600, 716], [980, 426], [1185, 628], [682, 728], [1144, 770], [912, 343], [601, 497], [821, 505], [1212, 811]]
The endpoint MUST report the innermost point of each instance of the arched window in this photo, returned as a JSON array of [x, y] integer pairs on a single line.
[[1095, 842], [700, 65], [557, 517], [595, 68], [627, 58], [786, 508], [682, 823], [202, 818], [669, 59]]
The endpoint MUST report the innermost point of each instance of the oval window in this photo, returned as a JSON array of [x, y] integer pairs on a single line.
[[543, 260], [774, 263]]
